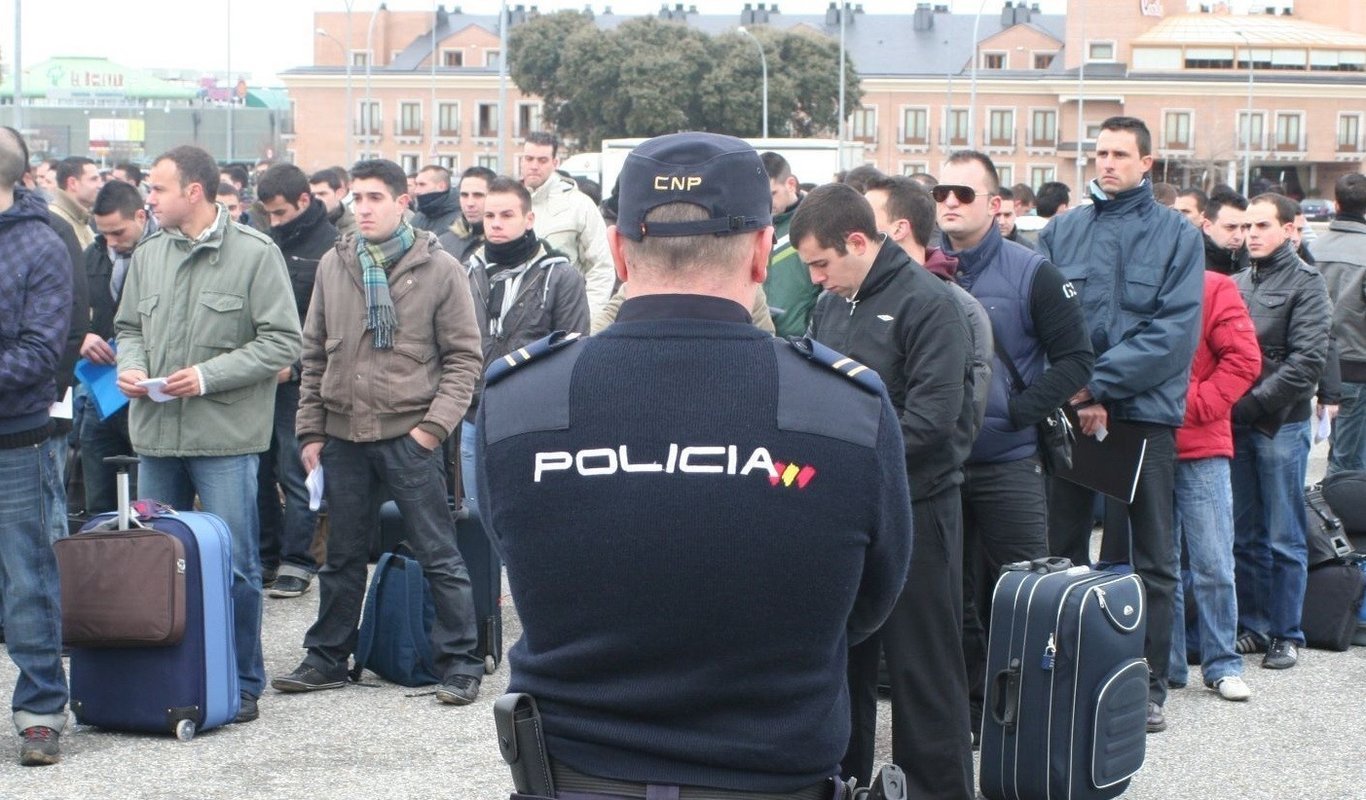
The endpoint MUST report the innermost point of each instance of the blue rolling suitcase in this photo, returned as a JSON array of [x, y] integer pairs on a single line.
[[182, 688], [1067, 686]]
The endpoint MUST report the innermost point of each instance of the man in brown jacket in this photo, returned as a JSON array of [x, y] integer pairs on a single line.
[[391, 356]]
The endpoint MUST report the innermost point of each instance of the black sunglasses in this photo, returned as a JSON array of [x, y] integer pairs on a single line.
[[965, 194]]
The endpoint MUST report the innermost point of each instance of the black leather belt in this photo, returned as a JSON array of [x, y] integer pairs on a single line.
[[568, 779]]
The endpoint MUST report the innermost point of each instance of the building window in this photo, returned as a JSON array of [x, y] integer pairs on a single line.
[[1209, 58], [1288, 127], [1176, 130], [1044, 60], [909, 168], [1001, 127], [448, 120], [1039, 175], [1100, 51], [410, 162], [450, 162], [452, 58], [360, 58], [957, 124], [1251, 130], [368, 118], [528, 118], [492, 58], [863, 124], [409, 119], [993, 61], [488, 121], [287, 124], [1043, 128], [489, 161], [1005, 173], [1349, 133], [915, 126]]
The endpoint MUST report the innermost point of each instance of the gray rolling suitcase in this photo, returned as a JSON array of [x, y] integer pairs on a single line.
[[1067, 686]]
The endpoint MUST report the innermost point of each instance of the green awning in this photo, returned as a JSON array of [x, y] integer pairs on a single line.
[[69, 78]]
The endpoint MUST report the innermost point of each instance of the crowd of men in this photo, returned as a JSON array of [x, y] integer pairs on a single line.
[[345, 318]]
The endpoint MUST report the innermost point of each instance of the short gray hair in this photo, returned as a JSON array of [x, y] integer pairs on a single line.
[[13, 159], [684, 255]]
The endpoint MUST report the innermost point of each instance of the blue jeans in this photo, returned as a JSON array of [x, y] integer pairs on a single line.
[[1269, 529], [32, 517], [226, 486], [101, 438], [285, 533], [467, 477], [1349, 431], [1204, 521]]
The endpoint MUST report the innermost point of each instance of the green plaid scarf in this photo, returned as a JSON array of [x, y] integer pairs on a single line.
[[375, 259]]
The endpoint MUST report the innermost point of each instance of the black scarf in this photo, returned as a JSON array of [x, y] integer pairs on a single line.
[[437, 204], [510, 254]]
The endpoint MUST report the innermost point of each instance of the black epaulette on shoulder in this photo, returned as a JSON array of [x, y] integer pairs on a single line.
[[866, 379], [559, 340]]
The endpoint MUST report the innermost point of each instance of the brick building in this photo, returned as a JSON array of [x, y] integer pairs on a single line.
[[1041, 82]]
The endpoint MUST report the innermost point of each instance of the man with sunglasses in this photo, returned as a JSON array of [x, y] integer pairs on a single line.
[[1138, 269], [1037, 323]]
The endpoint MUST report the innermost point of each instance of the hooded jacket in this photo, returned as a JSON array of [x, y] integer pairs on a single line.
[[904, 324], [461, 239], [1138, 269], [303, 241], [1223, 260], [1227, 362], [1288, 301], [568, 221], [220, 303], [35, 313], [439, 212]]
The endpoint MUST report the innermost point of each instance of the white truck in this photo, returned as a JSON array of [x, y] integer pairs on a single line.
[[812, 160]]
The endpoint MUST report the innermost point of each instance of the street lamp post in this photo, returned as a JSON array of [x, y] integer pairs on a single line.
[[844, 116], [1081, 107], [763, 63], [369, 115], [346, 112], [972, 95], [1247, 139]]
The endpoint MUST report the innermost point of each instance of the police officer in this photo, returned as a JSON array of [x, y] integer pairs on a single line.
[[697, 518]]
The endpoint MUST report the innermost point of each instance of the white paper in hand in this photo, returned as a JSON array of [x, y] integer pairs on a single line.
[[314, 482], [1324, 428], [156, 390], [1100, 433]]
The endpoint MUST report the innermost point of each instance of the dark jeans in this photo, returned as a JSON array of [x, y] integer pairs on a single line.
[[101, 438], [287, 532], [1005, 519], [356, 472], [1152, 545], [922, 639]]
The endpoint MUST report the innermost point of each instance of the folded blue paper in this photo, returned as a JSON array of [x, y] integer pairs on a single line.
[[102, 381]]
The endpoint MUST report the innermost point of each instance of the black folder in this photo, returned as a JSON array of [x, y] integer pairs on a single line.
[[1110, 467]]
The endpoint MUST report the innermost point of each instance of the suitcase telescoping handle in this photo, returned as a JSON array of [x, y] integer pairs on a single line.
[[122, 463], [1005, 696]]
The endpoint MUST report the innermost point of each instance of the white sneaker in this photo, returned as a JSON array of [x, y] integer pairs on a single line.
[[1231, 687]]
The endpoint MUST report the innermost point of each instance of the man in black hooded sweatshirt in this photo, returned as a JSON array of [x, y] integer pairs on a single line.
[[299, 227], [437, 205]]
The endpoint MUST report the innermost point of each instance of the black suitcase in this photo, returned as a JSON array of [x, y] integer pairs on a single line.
[[486, 574], [1325, 538], [1067, 686], [1332, 600]]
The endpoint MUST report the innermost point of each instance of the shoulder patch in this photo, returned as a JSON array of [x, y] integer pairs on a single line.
[[540, 349], [817, 353]]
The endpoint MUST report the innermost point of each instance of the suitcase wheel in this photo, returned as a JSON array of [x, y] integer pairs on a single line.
[[490, 665], [185, 730]]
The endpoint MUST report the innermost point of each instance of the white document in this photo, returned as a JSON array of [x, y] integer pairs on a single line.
[[1323, 429], [1101, 433], [156, 390], [314, 482], [62, 409]]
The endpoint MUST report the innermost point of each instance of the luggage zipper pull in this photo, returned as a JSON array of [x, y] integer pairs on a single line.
[[1100, 596], [1050, 654]]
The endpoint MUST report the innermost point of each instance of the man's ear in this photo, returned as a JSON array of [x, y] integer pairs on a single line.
[[615, 244], [763, 248]]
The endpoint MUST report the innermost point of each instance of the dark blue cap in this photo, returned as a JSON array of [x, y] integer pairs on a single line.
[[721, 174]]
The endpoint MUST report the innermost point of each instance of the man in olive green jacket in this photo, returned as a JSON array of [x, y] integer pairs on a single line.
[[207, 306]]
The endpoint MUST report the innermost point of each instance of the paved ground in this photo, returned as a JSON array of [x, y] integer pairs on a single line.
[[1299, 737]]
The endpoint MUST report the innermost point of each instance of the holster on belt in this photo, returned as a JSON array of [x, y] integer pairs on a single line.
[[888, 784], [522, 743]]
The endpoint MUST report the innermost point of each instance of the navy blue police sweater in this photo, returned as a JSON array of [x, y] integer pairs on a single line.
[[697, 522]]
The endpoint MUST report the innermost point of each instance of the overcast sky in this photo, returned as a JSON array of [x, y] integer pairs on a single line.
[[273, 35]]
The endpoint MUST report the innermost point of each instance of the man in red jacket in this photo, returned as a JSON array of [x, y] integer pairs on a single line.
[[1226, 363]]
